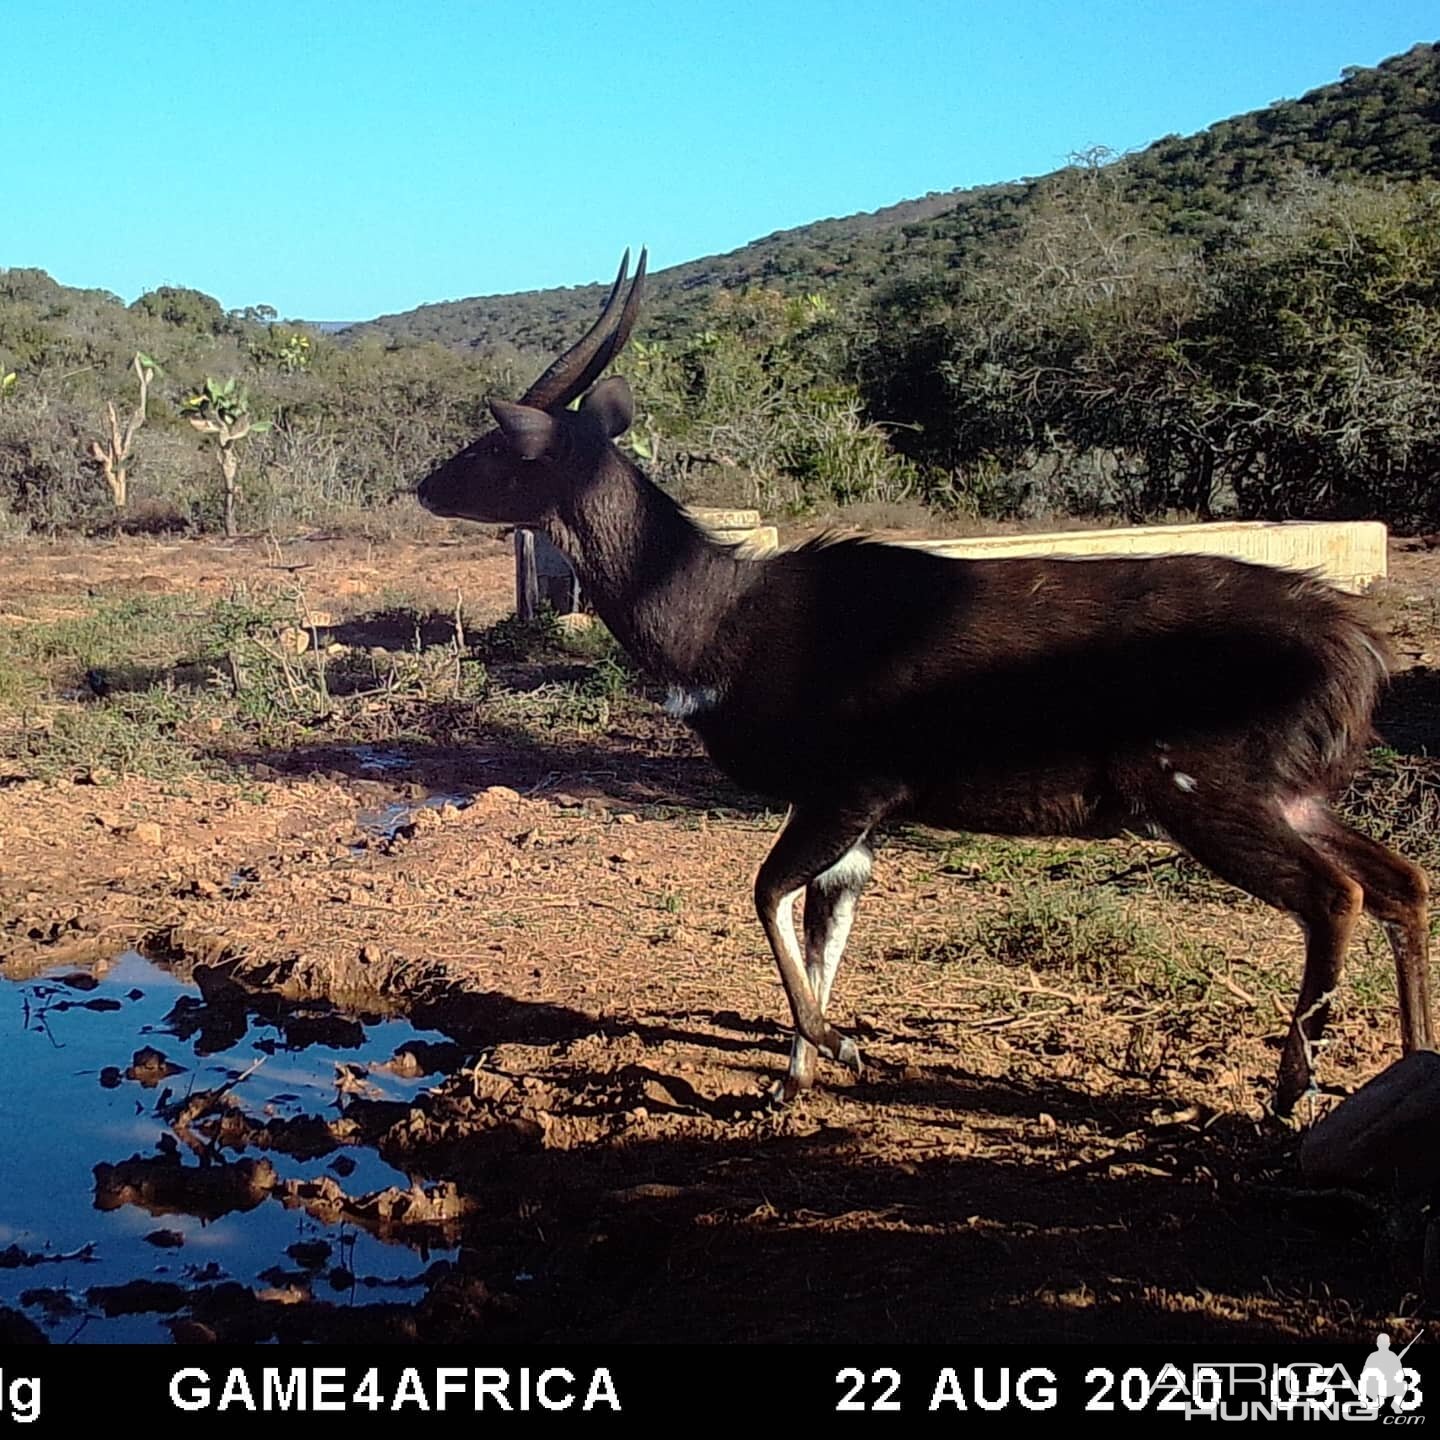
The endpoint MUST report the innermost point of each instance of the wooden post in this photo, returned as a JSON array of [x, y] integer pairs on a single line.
[[542, 576], [527, 585]]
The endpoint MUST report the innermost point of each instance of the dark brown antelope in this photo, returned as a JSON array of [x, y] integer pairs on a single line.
[[1214, 703]]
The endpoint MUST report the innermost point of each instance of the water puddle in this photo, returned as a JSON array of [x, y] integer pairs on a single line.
[[378, 760], [386, 821], [166, 1149]]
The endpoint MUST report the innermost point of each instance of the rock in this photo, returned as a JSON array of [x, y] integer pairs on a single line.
[[627, 817], [146, 832], [162, 1184], [1383, 1134], [500, 792], [564, 801], [191, 1332], [309, 1254], [165, 1239], [17, 1328], [150, 1066]]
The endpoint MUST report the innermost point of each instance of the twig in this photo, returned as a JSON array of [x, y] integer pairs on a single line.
[[1237, 990]]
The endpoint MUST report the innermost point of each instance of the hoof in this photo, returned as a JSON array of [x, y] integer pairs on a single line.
[[782, 1091], [849, 1056]]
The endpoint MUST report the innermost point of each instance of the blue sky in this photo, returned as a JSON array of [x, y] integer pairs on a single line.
[[342, 160]]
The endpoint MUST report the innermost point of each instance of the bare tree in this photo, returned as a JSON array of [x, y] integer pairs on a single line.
[[112, 454]]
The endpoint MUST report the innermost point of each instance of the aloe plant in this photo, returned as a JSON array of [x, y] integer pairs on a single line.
[[223, 412]]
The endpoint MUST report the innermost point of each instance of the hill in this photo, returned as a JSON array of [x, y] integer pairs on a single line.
[[1375, 123]]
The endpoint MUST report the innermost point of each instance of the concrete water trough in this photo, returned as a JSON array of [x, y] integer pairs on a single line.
[[1348, 553], [737, 527]]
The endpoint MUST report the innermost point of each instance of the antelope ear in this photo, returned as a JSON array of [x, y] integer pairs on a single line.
[[612, 404], [529, 431]]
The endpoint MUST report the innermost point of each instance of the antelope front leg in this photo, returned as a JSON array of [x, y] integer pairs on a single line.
[[830, 901], [808, 846]]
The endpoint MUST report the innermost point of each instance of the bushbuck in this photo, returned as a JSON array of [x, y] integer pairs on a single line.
[[1216, 704]]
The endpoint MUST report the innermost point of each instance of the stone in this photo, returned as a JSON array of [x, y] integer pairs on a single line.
[[1383, 1134]]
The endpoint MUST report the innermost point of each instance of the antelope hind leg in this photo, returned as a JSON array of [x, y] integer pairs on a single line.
[[830, 901], [810, 845]]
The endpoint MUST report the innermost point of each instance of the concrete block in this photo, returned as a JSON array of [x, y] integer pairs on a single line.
[[716, 518], [1384, 1134]]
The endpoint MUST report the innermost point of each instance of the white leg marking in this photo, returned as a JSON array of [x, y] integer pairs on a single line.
[[1185, 782], [849, 872], [837, 933], [847, 875], [785, 920]]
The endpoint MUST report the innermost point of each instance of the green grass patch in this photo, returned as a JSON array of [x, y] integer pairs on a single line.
[[1076, 935], [168, 685]]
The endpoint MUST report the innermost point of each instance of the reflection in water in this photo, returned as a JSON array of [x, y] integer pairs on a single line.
[[126, 1101]]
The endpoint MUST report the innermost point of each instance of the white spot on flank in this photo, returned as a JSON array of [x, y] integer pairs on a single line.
[[1185, 782], [1305, 813], [682, 702]]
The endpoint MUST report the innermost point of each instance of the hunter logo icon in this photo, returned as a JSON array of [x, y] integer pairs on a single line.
[[1386, 1366]]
